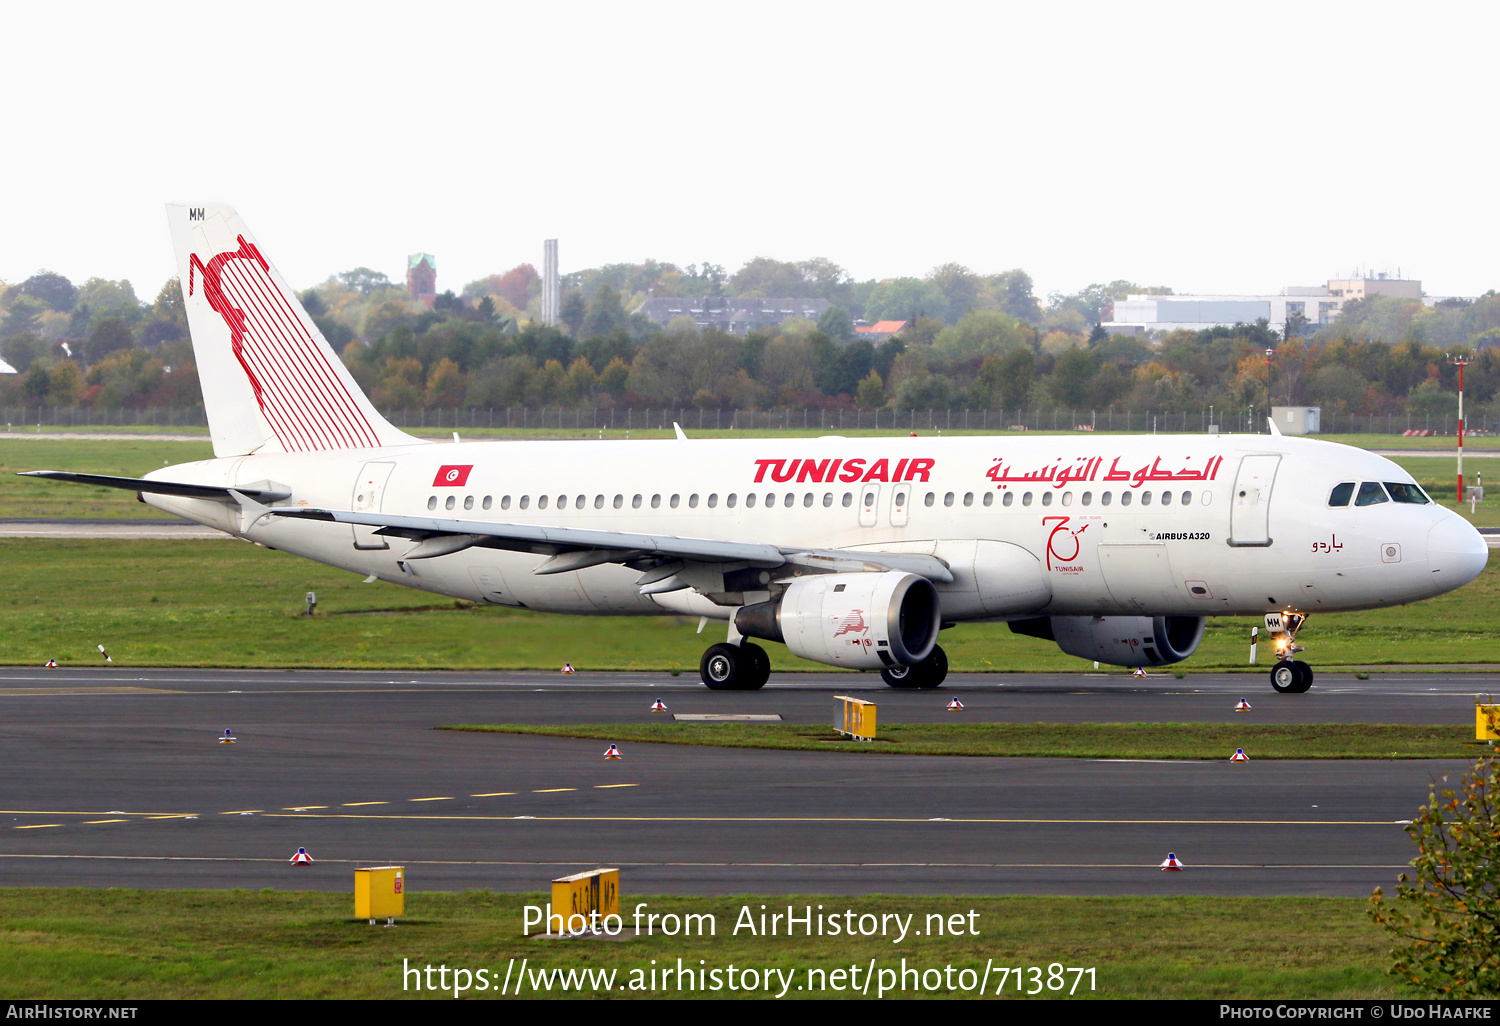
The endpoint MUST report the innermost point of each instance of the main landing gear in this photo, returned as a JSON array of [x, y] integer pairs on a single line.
[[1289, 676], [728, 667], [929, 673]]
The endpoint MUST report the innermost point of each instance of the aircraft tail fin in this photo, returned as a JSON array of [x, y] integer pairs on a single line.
[[271, 382]]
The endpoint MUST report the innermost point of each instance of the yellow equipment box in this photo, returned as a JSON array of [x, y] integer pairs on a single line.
[[598, 890], [854, 717], [1486, 722], [380, 892]]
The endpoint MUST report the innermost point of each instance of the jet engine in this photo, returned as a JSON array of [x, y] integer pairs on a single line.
[[1119, 640], [865, 621]]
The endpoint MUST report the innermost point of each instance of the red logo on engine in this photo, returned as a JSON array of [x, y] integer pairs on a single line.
[[854, 623], [452, 477]]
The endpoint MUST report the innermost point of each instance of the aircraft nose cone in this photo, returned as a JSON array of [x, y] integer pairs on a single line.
[[1456, 552]]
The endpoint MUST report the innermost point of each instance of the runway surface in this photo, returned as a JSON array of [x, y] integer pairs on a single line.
[[114, 778]]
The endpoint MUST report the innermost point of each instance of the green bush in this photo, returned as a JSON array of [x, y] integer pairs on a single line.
[[1448, 911]]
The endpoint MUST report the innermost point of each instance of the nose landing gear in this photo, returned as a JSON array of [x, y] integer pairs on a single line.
[[1289, 676]]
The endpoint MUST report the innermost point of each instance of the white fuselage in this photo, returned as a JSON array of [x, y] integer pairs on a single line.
[[1147, 525]]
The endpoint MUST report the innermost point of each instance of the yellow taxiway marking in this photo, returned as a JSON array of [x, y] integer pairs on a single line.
[[240, 812], [865, 819], [302, 808], [440, 798], [176, 815], [350, 805], [553, 790], [617, 785], [492, 794], [74, 691], [92, 821], [38, 826], [74, 812]]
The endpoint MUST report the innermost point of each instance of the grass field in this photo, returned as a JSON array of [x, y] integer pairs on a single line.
[[126, 944], [226, 603], [1055, 740]]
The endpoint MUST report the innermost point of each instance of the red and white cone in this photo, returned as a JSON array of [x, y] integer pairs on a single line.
[[955, 706], [105, 654], [1170, 863], [227, 738], [1242, 706], [568, 668], [1239, 756], [613, 752], [302, 858], [658, 706], [1140, 671], [51, 664]]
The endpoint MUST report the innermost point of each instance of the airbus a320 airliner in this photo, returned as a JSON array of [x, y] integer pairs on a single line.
[[854, 552]]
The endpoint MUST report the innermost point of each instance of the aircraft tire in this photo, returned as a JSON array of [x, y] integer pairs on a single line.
[[1285, 678], [903, 677], [723, 666], [757, 669], [1304, 676], [927, 674]]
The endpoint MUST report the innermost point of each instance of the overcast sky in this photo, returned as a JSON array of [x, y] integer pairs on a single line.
[[1207, 147]]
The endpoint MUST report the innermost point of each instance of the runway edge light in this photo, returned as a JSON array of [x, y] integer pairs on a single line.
[[227, 738], [1239, 756], [955, 706], [568, 668], [658, 706], [613, 752], [1170, 863], [51, 664], [1242, 706], [302, 858]]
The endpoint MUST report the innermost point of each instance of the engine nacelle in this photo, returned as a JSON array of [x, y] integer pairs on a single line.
[[1119, 640], [863, 621]]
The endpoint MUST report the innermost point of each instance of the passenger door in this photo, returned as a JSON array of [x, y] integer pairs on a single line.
[[1250, 506], [369, 489]]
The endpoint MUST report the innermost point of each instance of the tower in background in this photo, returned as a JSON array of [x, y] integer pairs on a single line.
[[421, 277], [550, 283]]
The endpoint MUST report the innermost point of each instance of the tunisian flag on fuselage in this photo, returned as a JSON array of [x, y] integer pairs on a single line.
[[452, 477]]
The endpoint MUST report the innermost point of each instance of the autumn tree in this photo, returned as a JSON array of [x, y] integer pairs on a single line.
[[1447, 911]]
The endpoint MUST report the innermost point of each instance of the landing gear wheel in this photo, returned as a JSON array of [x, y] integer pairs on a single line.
[[1285, 678], [722, 667], [1304, 674], [929, 673], [757, 668]]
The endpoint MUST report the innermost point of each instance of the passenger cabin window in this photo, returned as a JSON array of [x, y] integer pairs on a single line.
[[450, 502], [635, 502], [750, 500], [1166, 498], [947, 498], [1371, 494], [619, 501], [432, 502], [1145, 498], [1104, 498], [848, 499], [525, 501], [598, 502], [1067, 498], [1341, 494], [1046, 498], [1124, 498], [675, 501], [1026, 499], [989, 498], [827, 499], [562, 502], [713, 499], [1086, 498], [1407, 493], [807, 499], [1010, 497], [505, 502], [1186, 498], [731, 499], [488, 501], [541, 502], [968, 498], [929, 499], [693, 501], [656, 502]]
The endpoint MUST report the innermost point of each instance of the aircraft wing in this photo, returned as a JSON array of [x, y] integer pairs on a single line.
[[573, 548]]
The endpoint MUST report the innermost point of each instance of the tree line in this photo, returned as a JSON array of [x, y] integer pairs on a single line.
[[970, 341]]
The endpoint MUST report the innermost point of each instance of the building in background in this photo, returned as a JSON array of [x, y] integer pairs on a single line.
[[735, 315], [551, 282], [1298, 420], [421, 278], [1301, 306], [879, 331]]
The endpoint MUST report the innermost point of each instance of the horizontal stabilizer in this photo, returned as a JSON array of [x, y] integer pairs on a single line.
[[141, 484]]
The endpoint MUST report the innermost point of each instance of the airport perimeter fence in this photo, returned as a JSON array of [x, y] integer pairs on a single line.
[[615, 419]]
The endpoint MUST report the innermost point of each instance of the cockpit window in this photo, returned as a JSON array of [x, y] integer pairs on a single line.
[[1402, 492], [1341, 494], [1370, 494]]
